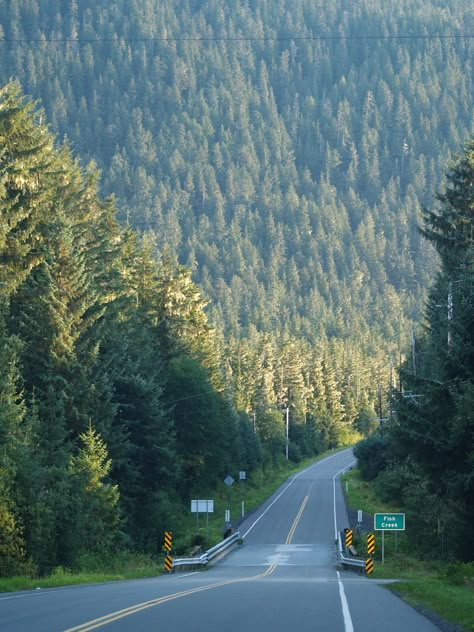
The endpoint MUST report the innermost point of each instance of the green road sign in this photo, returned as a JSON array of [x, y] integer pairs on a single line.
[[389, 522]]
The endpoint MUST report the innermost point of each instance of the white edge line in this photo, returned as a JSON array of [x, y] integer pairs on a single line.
[[35, 592], [19, 596], [284, 490], [346, 613], [348, 627], [334, 494]]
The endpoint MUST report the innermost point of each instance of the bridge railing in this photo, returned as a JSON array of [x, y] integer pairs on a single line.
[[345, 560], [209, 555]]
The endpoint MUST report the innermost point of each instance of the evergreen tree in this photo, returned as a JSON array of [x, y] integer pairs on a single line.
[[97, 517], [25, 195], [435, 425], [12, 435]]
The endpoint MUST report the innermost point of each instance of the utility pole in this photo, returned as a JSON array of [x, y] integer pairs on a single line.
[[380, 406], [287, 430], [390, 414], [450, 316], [413, 350], [450, 307]]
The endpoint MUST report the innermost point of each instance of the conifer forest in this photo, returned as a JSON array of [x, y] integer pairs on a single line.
[[215, 217]]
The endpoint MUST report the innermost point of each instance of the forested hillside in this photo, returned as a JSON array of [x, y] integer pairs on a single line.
[[267, 144]]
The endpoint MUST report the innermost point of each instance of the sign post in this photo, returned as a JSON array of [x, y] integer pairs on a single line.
[[388, 522], [202, 506], [242, 478], [229, 481]]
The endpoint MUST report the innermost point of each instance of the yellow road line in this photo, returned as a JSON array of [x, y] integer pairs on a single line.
[[295, 522], [126, 612]]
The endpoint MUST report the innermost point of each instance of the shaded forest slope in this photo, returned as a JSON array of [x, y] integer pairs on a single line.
[[267, 145]]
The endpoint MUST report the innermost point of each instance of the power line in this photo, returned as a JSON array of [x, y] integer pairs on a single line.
[[175, 401], [276, 38]]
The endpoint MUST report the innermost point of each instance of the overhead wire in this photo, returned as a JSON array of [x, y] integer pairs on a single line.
[[277, 38]]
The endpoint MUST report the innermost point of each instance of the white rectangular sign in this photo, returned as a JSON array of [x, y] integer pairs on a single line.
[[202, 506]]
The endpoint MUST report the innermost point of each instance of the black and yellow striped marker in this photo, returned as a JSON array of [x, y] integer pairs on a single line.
[[168, 541], [168, 563], [347, 537], [369, 565], [370, 544]]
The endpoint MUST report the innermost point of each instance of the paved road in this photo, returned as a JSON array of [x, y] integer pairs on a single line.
[[283, 578]]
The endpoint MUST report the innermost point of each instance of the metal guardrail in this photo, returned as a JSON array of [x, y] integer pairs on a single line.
[[222, 546], [347, 561], [209, 555], [190, 561]]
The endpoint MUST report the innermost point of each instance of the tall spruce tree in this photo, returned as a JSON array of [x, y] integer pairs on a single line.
[[13, 436], [25, 189], [435, 424]]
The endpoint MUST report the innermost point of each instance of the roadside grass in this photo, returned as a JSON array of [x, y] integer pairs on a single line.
[[452, 603], [445, 588], [133, 567], [361, 494], [127, 565]]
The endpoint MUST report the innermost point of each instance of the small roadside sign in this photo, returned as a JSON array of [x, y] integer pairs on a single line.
[[168, 541], [348, 537], [202, 506], [228, 480], [370, 544], [389, 522]]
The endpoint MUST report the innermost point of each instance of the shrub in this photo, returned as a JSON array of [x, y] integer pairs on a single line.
[[459, 574], [372, 456], [391, 483]]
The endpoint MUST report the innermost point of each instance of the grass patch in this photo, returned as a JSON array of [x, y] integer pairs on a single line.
[[444, 588], [361, 494], [133, 568], [452, 603]]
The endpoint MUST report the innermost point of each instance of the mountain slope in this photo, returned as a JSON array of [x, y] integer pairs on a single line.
[[269, 146]]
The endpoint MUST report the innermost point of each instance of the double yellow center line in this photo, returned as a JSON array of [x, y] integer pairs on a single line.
[[295, 522], [126, 612]]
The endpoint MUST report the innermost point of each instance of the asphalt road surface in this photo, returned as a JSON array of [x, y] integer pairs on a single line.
[[283, 578]]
